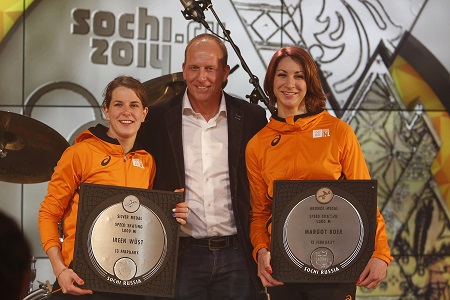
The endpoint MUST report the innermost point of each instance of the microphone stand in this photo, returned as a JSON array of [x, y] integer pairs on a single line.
[[257, 93]]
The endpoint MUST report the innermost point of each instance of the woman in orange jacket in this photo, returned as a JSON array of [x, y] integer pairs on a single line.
[[290, 148], [100, 155]]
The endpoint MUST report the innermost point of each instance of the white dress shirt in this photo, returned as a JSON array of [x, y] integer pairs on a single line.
[[207, 190]]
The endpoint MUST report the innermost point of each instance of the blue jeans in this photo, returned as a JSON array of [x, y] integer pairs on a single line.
[[222, 274]]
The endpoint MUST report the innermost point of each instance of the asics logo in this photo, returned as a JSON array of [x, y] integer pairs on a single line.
[[106, 160], [276, 140]]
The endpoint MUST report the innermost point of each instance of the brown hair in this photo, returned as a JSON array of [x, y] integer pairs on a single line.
[[128, 82], [315, 97], [204, 37]]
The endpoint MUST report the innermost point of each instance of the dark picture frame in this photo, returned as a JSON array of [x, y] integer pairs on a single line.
[[127, 240], [322, 231]]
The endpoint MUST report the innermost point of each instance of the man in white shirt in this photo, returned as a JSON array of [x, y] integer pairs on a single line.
[[198, 140]]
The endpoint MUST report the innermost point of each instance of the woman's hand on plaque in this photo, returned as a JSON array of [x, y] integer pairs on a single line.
[[69, 281], [265, 270]]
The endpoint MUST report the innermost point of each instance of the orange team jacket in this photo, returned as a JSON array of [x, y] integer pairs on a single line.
[[94, 158], [307, 147]]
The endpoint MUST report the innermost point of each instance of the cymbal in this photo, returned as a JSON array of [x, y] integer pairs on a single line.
[[29, 149], [165, 87]]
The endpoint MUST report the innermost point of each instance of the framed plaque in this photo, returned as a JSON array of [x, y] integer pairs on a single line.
[[127, 240], [322, 231]]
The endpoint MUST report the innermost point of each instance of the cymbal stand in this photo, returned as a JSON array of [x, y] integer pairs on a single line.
[[32, 274], [3, 152]]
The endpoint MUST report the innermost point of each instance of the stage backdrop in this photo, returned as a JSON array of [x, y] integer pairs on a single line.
[[384, 63]]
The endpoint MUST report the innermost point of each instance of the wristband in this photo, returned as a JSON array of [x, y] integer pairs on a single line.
[[57, 277]]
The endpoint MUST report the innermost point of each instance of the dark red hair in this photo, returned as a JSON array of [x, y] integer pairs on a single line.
[[315, 97]]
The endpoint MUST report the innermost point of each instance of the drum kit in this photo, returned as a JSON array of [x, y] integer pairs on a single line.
[[30, 150], [45, 289]]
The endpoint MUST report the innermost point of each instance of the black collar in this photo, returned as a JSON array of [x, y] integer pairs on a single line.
[[296, 117]]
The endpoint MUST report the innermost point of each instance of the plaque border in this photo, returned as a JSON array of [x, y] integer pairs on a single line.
[[162, 282], [288, 193]]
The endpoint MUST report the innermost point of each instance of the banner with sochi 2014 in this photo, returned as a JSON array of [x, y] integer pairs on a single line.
[[61, 54]]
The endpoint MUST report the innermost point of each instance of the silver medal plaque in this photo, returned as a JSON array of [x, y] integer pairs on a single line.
[[322, 230], [126, 240]]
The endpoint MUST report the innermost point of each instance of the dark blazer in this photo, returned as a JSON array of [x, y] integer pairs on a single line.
[[161, 135]]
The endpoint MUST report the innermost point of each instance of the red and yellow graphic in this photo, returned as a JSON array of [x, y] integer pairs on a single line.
[[414, 89], [10, 12]]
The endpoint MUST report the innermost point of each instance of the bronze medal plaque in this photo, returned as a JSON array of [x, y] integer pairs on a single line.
[[322, 231], [126, 240]]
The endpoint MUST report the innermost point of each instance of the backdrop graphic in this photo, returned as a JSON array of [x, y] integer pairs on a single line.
[[56, 56]]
